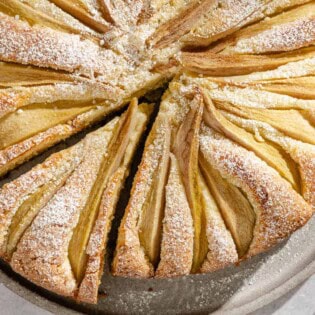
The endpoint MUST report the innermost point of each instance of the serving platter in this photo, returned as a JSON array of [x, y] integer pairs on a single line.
[[233, 290]]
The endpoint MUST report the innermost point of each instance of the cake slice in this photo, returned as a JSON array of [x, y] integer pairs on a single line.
[[60, 224], [138, 248]]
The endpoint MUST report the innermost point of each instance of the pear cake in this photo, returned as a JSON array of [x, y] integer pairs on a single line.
[[228, 166]]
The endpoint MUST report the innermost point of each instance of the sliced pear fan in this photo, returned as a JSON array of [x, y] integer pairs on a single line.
[[186, 147], [303, 154], [150, 232], [272, 155], [252, 193]]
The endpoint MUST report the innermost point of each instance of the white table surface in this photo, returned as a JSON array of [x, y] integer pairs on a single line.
[[299, 301]]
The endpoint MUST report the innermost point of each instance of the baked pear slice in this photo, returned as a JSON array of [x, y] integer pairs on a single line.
[[221, 247], [59, 110], [172, 30], [45, 253], [279, 209], [271, 35], [241, 94], [186, 148], [273, 156], [177, 245], [237, 212], [80, 10], [291, 122], [18, 75], [210, 63], [302, 87]]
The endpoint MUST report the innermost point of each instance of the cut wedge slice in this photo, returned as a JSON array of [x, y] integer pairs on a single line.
[[111, 162], [140, 232], [75, 222]]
